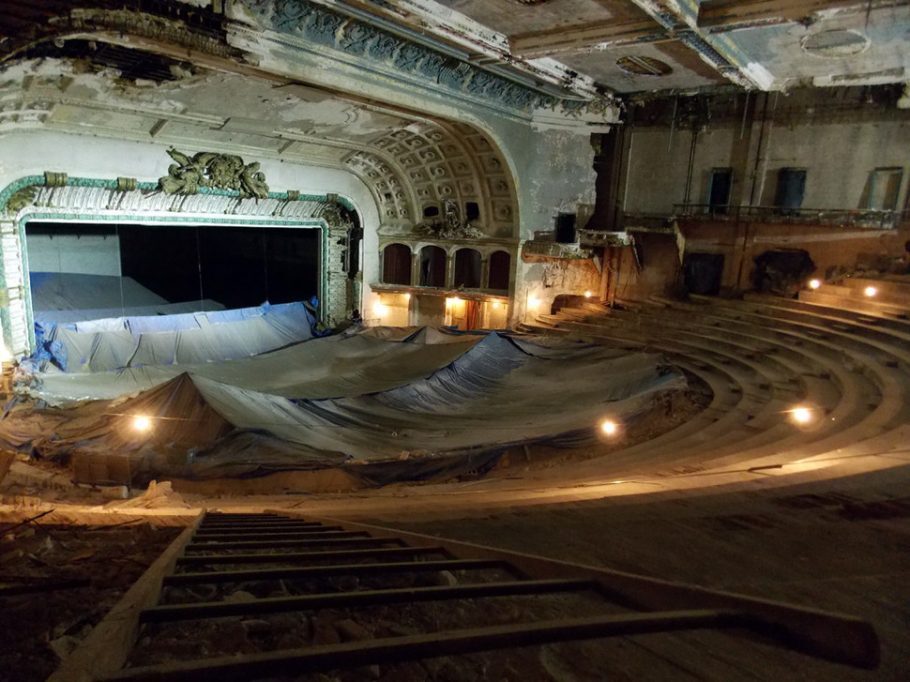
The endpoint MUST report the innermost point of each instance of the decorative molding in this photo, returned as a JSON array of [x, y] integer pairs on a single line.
[[147, 198], [21, 199], [436, 163], [323, 27], [450, 225], [214, 170], [56, 196]]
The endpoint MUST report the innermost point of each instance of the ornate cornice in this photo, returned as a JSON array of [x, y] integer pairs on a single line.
[[58, 190], [323, 27]]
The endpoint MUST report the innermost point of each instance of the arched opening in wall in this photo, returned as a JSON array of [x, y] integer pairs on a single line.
[[396, 264], [431, 211], [467, 268], [471, 211], [84, 271], [500, 267], [432, 267]]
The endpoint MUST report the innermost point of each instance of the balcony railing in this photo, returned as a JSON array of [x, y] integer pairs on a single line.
[[863, 217]]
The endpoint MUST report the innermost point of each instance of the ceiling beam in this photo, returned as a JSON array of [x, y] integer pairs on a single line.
[[679, 19], [426, 19], [725, 15], [584, 37]]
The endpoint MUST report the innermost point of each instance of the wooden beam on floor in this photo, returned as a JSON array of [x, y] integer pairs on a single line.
[[268, 544], [108, 645], [330, 600], [447, 643], [230, 536], [292, 572], [265, 525], [823, 634], [293, 557]]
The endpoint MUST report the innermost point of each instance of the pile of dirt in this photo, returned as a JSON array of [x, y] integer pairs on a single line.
[[58, 582]]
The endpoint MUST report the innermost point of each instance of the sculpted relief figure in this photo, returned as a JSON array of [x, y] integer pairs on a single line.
[[451, 226], [208, 169]]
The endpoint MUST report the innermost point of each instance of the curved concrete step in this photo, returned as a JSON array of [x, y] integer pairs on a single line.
[[862, 425]]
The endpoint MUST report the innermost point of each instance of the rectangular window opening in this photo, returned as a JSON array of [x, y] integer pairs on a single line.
[[791, 188], [719, 190], [882, 189]]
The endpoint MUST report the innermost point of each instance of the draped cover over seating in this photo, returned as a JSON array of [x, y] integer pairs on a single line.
[[419, 401]]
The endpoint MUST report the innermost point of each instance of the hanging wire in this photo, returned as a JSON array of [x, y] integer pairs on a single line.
[[199, 268], [742, 128], [120, 267], [265, 264], [673, 124]]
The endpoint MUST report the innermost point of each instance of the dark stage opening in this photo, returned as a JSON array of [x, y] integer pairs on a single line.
[[75, 266]]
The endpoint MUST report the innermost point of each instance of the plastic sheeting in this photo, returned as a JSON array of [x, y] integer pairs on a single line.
[[129, 342], [328, 367], [444, 407]]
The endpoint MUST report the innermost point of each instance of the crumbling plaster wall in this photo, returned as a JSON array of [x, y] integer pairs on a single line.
[[558, 177], [551, 166], [838, 157], [658, 166], [832, 249], [550, 163]]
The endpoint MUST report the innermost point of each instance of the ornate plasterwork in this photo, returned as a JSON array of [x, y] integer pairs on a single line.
[[128, 194], [56, 196], [324, 27], [450, 225], [429, 165], [213, 170], [171, 30]]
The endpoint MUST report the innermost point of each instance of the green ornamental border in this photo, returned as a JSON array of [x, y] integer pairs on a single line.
[[32, 213]]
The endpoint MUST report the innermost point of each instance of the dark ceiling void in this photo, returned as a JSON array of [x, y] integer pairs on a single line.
[[643, 66], [236, 266], [132, 64], [24, 23]]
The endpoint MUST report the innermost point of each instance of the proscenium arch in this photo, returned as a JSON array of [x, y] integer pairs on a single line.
[[228, 52], [43, 209], [476, 169]]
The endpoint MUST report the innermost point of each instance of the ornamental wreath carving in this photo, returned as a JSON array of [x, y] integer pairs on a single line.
[[212, 170]]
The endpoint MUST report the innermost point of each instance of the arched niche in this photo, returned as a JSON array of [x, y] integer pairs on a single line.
[[432, 267], [500, 270], [396, 264], [468, 268]]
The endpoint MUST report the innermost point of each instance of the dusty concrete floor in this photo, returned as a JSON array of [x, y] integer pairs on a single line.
[[840, 545]]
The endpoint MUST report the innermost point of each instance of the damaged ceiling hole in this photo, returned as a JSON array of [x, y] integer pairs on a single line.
[[643, 66], [132, 64], [835, 43]]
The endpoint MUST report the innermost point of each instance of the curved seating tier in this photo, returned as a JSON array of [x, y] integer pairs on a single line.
[[760, 357]]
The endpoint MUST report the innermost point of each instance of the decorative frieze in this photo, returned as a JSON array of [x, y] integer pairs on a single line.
[[319, 25], [212, 170]]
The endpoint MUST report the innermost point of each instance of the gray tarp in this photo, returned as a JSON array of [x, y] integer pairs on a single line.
[[205, 337], [421, 408], [328, 367]]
